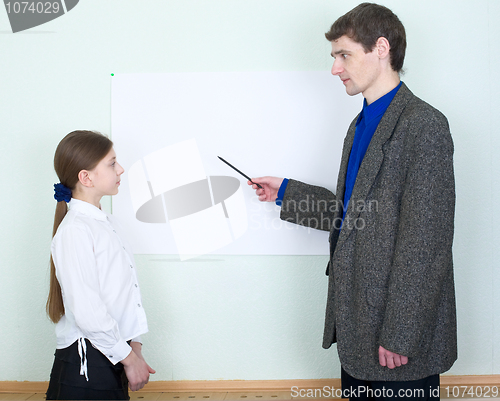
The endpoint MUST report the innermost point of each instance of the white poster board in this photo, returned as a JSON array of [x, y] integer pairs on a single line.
[[178, 198]]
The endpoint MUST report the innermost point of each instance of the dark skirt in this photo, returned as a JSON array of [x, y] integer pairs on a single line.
[[106, 381]]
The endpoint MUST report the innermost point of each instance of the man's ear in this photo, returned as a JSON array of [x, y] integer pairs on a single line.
[[382, 47], [84, 178]]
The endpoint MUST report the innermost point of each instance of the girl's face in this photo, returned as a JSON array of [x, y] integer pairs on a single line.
[[106, 175]]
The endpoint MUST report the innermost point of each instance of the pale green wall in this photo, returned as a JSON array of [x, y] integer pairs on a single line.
[[234, 317]]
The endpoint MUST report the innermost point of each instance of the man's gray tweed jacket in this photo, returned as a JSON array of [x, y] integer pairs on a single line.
[[391, 268]]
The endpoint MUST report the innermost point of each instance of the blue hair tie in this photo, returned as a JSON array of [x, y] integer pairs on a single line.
[[62, 193]]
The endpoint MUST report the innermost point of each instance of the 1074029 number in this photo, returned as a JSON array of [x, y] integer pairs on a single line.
[[40, 7], [471, 391]]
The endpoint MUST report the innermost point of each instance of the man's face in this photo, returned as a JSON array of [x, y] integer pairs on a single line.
[[359, 71]]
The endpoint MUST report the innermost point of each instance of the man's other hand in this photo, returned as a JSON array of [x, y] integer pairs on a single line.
[[390, 359]]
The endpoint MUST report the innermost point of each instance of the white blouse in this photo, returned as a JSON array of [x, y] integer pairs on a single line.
[[97, 274]]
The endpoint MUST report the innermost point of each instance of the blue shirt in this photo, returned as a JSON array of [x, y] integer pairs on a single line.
[[367, 123]]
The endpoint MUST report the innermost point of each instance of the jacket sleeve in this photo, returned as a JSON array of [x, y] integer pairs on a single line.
[[422, 262], [309, 206]]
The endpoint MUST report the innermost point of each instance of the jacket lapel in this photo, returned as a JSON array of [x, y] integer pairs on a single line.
[[346, 151], [373, 159]]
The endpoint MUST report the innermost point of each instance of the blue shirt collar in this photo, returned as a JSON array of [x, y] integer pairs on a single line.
[[378, 107]]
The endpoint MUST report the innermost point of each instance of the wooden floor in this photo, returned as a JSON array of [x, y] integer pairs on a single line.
[[467, 388], [219, 396], [229, 396], [261, 396]]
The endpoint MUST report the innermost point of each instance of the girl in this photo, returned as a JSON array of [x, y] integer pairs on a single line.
[[94, 296]]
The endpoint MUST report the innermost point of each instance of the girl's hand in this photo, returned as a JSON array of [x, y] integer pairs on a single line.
[[137, 371], [137, 348]]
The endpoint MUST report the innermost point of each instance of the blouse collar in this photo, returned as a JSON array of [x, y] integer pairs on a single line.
[[87, 209]]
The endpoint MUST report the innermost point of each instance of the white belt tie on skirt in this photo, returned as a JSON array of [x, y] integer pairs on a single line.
[[82, 351]]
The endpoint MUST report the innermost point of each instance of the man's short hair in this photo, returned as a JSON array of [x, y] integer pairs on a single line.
[[366, 23]]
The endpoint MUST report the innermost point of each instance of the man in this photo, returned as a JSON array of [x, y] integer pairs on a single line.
[[391, 301]]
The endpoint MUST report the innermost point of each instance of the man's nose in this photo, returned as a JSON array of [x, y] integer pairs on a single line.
[[337, 68]]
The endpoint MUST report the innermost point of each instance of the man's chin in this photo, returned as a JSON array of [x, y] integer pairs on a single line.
[[352, 91]]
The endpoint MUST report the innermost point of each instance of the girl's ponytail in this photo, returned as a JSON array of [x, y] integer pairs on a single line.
[[79, 150], [55, 306]]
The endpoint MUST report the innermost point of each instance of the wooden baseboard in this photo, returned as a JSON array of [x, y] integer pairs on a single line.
[[462, 382]]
